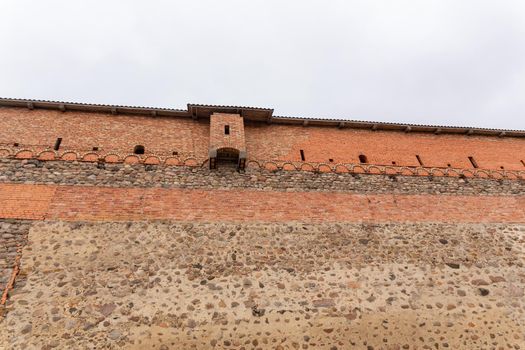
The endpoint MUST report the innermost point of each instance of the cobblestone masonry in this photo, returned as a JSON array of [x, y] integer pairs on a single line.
[[13, 236], [126, 175], [162, 285], [315, 260]]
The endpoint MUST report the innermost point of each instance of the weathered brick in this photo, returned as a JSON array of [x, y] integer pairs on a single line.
[[100, 203], [162, 136]]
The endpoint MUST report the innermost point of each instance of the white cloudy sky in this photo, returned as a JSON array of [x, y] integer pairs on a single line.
[[459, 62]]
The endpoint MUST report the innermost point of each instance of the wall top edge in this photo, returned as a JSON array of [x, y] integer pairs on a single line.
[[255, 114]]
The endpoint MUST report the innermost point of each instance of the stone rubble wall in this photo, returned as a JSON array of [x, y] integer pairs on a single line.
[[126, 175], [13, 237], [158, 257], [182, 285]]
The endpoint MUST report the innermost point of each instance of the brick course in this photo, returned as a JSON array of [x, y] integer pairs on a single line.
[[132, 204], [25, 201]]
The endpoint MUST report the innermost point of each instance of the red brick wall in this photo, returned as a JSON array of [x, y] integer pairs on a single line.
[[284, 142], [187, 137], [108, 204], [25, 201], [111, 133]]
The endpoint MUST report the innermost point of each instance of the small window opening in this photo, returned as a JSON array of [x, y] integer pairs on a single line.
[[363, 159], [331, 160], [502, 167], [473, 162], [57, 144], [419, 160], [95, 148], [394, 163], [302, 155], [16, 145], [226, 129], [449, 165], [175, 153], [139, 149]]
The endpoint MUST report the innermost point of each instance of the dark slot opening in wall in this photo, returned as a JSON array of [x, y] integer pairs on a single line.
[[95, 148], [331, 160], [302, 155], [394, 162], [175, 153], [473, 162], [139, 149], [449, 165], [57, 144], [363, 159], [16, 145], [419, 160], [226, 129]]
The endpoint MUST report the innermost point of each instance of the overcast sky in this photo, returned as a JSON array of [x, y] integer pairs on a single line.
[[452, 62]]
